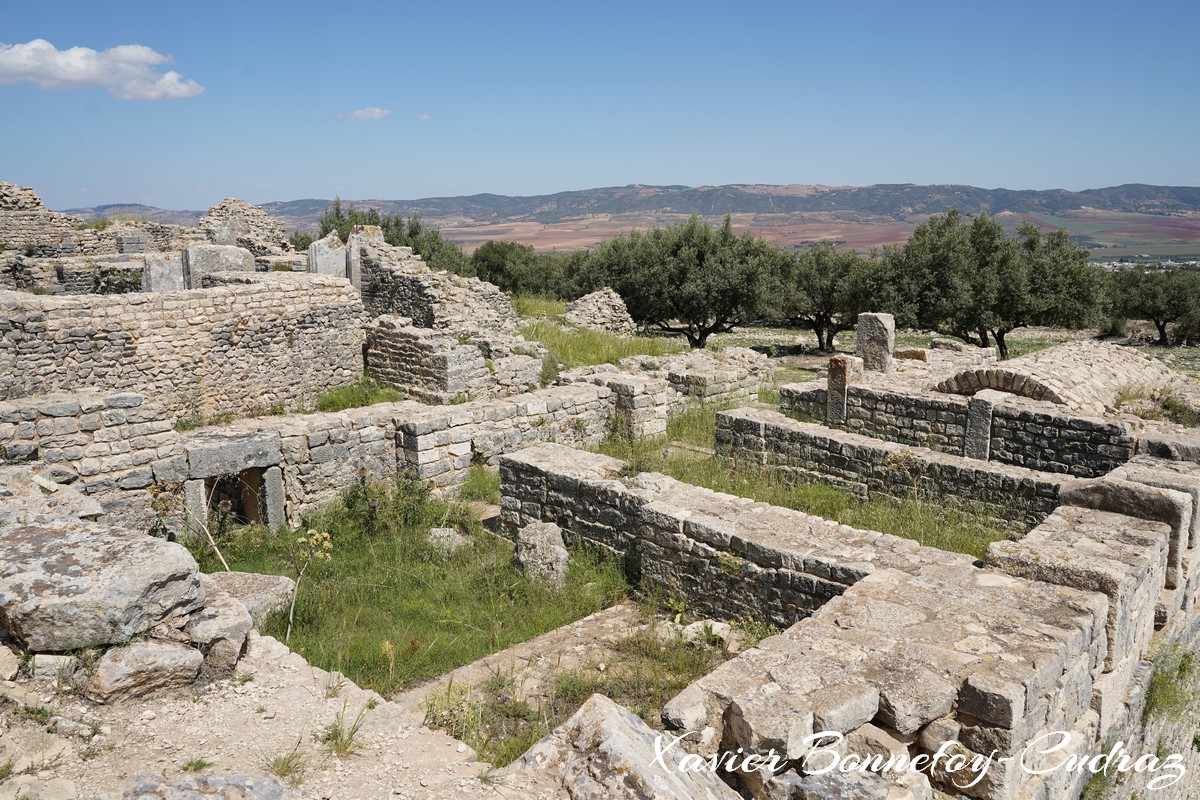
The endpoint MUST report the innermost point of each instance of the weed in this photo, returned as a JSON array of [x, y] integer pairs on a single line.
[[335, 682], [245, 677], [290, 766], [195, 765], [6, 770], [339, 738], [94, 225]]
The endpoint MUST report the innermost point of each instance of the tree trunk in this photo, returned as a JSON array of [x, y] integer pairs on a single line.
[[983, 338], [1162, 332], [819, 329], [999, 336]]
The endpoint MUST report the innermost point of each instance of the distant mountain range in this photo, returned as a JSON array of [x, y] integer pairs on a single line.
[[1113, 222], [878, 203]]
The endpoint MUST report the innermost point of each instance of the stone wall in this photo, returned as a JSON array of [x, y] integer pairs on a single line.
[[901, 649], [109, 274], [95, 441], [1016, 497], [394, 281], [279, 341], [430, 365], [603, 310], [1007, 429]]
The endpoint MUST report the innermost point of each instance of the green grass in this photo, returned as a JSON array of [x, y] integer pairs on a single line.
[[367, 392], [389, 610], [577, 347], [642, 673], [1172, 685], [95, 225], [195, 765], [530, 306], [482, 485], [932, 524]]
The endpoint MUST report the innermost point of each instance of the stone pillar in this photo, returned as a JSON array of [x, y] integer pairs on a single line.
[[327, 256], [273, 498], [844, 372], [876, 341], [979, 424], [360, 235], [195, 508]]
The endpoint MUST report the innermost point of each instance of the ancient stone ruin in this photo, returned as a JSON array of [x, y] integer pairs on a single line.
[[602, 310], [151, 376]]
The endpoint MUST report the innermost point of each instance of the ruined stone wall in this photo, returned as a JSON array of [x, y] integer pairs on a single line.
[[111, 274], [1015, 430], [95, 441], [903, 649], [396, 282], [919, 420], [1015, 497], [433, 366], [1043, 438], [281, 341], [725, 556]]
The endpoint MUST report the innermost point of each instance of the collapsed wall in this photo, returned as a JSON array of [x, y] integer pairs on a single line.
[[902, 650], [275, 340]]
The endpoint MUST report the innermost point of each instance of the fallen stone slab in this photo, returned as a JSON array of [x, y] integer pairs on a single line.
[[73, 586], [143, 667], [606, 751], [262, 595]]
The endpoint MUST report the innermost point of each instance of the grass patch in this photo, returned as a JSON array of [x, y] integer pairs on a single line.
[[389, 610], [1139, 400], [367, 392], [94, 225], [482, 485], [1171, 691], [195, 765], [931, 524], [645, 671], [290, 766], [578, 347], [340, 737], [532, 306]]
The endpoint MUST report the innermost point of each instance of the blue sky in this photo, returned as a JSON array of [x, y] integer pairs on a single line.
[[530, 97]]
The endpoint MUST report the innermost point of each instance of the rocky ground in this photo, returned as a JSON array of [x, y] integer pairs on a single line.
[[275, 704]]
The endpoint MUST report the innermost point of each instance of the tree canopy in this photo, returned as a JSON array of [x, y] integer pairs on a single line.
[[427, 242], [690, 278], [1163, 296]]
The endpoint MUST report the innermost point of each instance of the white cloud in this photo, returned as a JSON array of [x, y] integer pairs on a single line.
[[423, 117], [128, 71], [370, 112]]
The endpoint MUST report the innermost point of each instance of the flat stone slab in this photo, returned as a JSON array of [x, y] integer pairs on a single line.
[[228, 452], [138, 669], [72, 586], [218, 787], [260, 594]]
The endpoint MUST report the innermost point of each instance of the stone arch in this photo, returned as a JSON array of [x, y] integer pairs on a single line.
[[970, 381]]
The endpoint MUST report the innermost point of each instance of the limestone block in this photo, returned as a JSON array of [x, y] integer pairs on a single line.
[[164, 272], [261, 595], [541, 554], [844, 372], [219, 628], [979, 423], [138, 669], [229, 452], [606, 751], [876, 341], [328, 256], [201, 260], [1145, 502], [70, 587]]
